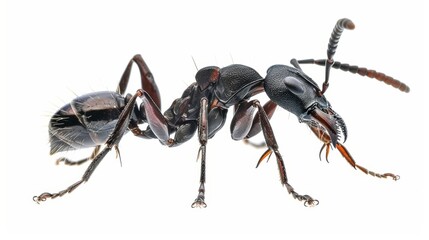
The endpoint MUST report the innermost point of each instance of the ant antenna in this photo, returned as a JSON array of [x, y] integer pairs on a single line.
[[328, 63], [332, 46]]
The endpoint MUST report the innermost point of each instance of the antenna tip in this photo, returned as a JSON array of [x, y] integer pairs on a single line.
[[347, 23]]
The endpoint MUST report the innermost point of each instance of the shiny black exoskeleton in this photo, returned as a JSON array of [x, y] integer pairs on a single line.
[[85, 122], [100, 119]]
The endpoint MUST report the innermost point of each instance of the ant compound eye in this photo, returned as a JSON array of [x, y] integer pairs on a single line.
[[294, 85]]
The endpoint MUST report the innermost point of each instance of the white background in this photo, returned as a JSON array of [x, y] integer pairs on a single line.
[[55, 50]]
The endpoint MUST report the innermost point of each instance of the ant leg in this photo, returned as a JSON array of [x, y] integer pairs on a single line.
[[241, 123], [352, 162], [44, 196], [238, 131], [156, 121], [112, 142], [269, 108], [145, 134], [203, 137], [67, 161], [242, 127], [158, 124], [147, 81], [325, 138]]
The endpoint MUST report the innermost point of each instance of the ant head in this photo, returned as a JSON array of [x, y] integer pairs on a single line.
[[296, 92], [292, 89]]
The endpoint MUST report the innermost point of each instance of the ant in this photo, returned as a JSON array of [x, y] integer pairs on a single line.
[[100, 119]]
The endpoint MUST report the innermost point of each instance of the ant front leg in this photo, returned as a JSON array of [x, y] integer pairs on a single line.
[[255, 129], [240, 127]]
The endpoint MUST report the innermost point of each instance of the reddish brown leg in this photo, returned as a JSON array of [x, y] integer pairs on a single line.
[[345, 153], [157, 122], [348, 157], [147, 81]]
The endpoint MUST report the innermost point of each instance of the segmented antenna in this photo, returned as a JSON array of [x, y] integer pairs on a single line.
[[328, 63], [363, 72], [342, 24], [336, 34]]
